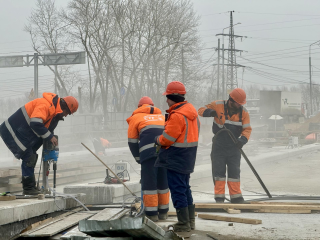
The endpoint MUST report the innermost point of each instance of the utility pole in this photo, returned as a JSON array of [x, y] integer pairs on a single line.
[[310, 86], [218, 77], [311, 112], [232, 81]]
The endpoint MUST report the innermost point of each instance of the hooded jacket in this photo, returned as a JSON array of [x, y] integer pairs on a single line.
[[23, 129], [179, 140], [145, 124]]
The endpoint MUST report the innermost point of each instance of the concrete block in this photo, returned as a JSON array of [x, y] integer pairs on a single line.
[[6, 215], [100, 193], [22, 209]]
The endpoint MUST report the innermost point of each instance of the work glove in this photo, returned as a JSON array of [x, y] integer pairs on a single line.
[[241, 141], [209, 113]]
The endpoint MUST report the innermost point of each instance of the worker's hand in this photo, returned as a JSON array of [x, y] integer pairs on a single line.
[[241, 141], [158, 147], [54, 141]]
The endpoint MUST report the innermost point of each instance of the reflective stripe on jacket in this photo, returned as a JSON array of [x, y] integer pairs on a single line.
[[179, 140], [238, 123], [23, 129], [145, 124]]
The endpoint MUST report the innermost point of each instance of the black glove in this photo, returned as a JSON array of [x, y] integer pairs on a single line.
[[209, 113], [241, 141]]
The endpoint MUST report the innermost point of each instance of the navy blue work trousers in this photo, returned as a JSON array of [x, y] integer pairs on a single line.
[[25, 169], [180, 189]]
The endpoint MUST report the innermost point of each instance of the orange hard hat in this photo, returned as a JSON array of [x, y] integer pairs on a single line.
[[72, 103], [145, 100], [238, 95], [175, 87]]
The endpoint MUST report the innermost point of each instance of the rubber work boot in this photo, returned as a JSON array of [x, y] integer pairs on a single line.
[[192, 216], [29, 185], [238, 200], [153, 218], [183, 224], [163, 216]]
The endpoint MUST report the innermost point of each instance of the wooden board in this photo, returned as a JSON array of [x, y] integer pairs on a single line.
[[57, 226], [229, 219], [233, 211], [7, 198], [282, 211], [37, 224], [256, 206]]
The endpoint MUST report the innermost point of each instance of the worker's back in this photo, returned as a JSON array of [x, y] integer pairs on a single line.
[[145, 124]]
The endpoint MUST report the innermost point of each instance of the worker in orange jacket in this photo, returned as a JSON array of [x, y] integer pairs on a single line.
[[233, 116], [179, 143], [145, 124], [25, 130]]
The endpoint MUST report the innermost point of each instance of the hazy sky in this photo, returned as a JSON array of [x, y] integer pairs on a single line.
[[276, 49]]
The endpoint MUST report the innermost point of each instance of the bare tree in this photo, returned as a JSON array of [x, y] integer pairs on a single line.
[[48, 36]]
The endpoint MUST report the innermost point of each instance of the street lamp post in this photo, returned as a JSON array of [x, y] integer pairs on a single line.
[[223, 82]]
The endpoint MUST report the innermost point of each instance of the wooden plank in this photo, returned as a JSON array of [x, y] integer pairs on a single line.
[[233, 211], [282, 211], [230, 219], [59, 225], [256, 206], [37, 224], [286, 203], [7, 198]]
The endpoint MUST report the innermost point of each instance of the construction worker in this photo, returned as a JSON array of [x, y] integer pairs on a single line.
[[231, 115], [100, 145], [145, 124], [25, 130], [179, 143]]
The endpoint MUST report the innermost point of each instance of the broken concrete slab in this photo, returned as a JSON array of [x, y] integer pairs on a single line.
[[100, 193], [136, 227]]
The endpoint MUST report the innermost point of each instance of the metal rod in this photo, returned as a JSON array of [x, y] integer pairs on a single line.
[[249, 163], [54, 177], [109, 170]]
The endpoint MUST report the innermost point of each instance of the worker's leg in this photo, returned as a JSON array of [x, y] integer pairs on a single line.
[[191, 206], [219, 171], [233, 164], [163, 193], [29, 161], [149, 188], [180, 195]]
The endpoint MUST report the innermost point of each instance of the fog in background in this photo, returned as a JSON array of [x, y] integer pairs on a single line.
[[127, 63]]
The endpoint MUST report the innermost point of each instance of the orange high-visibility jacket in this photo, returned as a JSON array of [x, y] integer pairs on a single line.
[[238, 123], [179, 139], [23, 129], [145, 124]]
